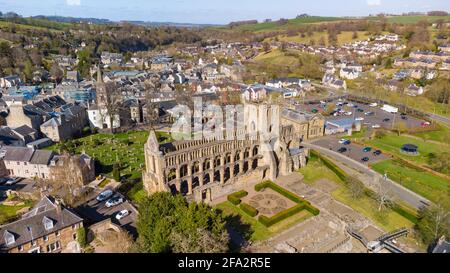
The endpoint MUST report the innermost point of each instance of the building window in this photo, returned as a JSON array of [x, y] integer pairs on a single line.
[[74, 236], [33, 243], [58, 233], [20, 248], [46, 238]]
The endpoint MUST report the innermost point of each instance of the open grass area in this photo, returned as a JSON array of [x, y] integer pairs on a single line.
[[423, 183], [251, 228], [316, 170], [271, 26], [441, 135], [392, 143], [415, 19], [109, 149], [342, 38], [8, 213], [276, 57], [388, 219]]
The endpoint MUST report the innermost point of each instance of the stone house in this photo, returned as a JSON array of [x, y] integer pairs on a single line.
[[67, 124], [26, 162], [48, 228]]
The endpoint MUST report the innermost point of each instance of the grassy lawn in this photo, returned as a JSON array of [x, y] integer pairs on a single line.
[[388, 219], [108, 149], [251, 228], [271, 26], [392, 143], [316, 170], [9, 212], [276, 57], [441, 135], [415, 19], [423, 183]]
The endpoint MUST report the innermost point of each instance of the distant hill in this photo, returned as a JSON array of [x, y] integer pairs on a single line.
[[63, 19], [171, 24]]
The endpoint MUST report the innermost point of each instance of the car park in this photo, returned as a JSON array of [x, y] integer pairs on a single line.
[[367, 149], [365, 159], [114, 201], [122, 214], [104, 195]]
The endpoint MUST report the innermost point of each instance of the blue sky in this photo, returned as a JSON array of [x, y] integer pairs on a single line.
[[214, 11]]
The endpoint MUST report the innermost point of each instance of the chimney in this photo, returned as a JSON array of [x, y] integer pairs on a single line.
[[58, 204]]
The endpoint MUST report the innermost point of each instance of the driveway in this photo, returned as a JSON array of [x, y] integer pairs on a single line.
[[94, 211]]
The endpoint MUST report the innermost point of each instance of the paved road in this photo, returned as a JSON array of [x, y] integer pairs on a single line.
[[440, 118], [402, 193]]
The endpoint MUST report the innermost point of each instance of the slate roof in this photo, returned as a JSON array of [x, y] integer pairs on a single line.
[[25, 130], [22, 154], [296, 115], [31, 226], [41, 157]]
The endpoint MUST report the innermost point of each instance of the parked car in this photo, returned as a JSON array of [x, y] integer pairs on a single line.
[[360, 110], [404, 117], [104, 195], [314, 110], [342, 150], [348, 113], [376, 126], [377, 153], [373, 104], [365, 159], [369, 113], [122, 214], [342, 141], [3, 180], [359, 119], [367, 149], [386, 119], [425, 124], [114, 201], [12, 181]]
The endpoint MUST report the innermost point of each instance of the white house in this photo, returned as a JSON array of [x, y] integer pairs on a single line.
[[349, 73], [99, 118]]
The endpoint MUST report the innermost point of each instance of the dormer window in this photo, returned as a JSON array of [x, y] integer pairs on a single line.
[[48, 223], [9, 238]]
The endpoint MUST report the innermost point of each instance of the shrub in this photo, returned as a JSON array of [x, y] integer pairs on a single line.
[[235, 198], [314, 211], [280, 190], [266, 221], [248, 209], [81, 237]]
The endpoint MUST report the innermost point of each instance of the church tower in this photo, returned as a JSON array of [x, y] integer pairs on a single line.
[[100, 89]]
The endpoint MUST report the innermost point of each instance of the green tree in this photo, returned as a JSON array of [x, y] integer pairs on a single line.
[[28, 70], [167, 223], [434, 221]]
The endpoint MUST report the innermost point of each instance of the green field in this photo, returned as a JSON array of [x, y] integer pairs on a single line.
[[272, 26], [342, 38], [278, 58], [251, 228], [441, 135], [415, 19], [392, 143], [109, 149], [426, 184], [316, 170]]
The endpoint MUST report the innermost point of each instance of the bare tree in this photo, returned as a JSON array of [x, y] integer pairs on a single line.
[[112, 103], [384, 195]]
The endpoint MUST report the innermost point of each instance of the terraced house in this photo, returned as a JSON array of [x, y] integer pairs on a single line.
[[48, 228]]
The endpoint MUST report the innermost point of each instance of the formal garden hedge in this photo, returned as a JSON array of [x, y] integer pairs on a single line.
[[235, 198], [301, 204], [269, 221], [248, 209], [289, 195]]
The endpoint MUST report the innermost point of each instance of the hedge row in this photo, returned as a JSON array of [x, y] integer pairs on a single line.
[[235, 198], [280, 190], [313, 210], [333, 167], [248, 209], [267, 222]]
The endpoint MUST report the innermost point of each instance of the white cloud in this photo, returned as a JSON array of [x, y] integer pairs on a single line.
[[73, 2], [373, 3]]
